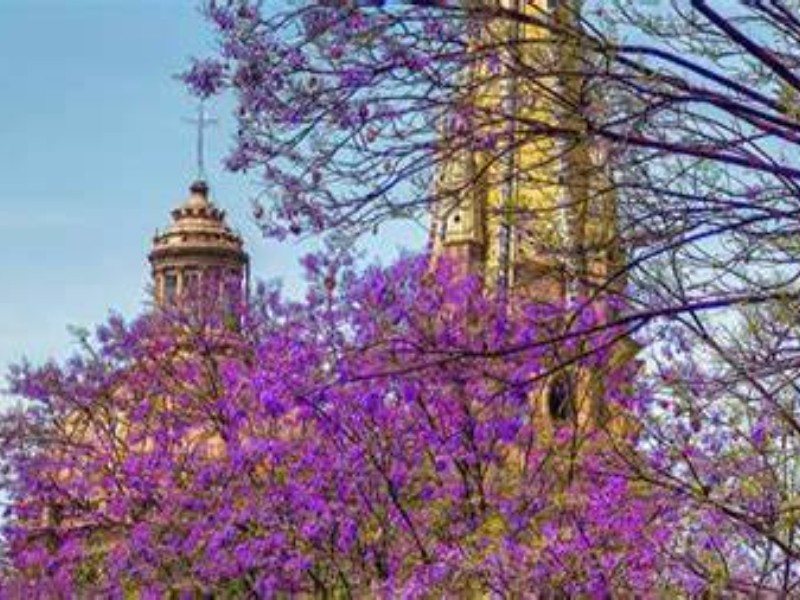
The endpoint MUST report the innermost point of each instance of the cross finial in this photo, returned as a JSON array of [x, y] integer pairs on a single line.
[[201, 121]]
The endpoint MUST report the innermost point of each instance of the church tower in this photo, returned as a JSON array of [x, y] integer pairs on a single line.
[[535, 215], [196, 251], [534, 208]]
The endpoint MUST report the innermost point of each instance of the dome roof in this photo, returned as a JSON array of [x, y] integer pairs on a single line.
[[198, 197], [198, 230]]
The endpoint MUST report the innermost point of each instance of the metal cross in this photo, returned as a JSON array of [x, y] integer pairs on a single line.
[[202, 121]]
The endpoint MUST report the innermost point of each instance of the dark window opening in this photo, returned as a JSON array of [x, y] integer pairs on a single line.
[[561, 398], [232, 289], [191, 282], [170, 287]]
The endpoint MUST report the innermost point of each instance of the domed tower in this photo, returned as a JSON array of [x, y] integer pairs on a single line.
[[198, 250]]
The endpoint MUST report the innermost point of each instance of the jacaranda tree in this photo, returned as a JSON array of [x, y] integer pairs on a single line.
[[377, 438], [348, 110], [380, 437]]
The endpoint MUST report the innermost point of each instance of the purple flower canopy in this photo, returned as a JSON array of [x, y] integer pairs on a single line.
[[380, 435], [385, 436]]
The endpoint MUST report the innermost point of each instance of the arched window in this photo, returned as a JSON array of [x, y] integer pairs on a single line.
[[561, 397], [191, 283], [170, 287]]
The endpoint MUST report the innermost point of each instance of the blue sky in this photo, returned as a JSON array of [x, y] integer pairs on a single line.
[[94, 152]]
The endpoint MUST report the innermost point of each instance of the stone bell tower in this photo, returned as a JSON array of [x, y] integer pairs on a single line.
[[198, 251], [533, 216]]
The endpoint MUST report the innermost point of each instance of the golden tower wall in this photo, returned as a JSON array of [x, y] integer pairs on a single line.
[[535, 215], [539, 207]]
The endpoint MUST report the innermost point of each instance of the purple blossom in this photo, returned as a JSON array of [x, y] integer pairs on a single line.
[[205, 77], [337, 436]]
